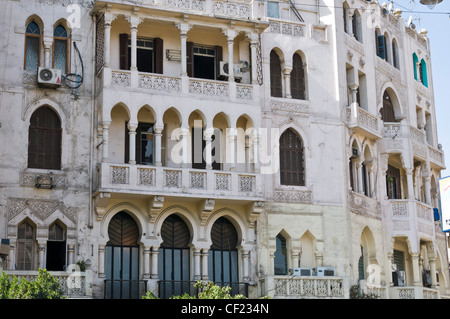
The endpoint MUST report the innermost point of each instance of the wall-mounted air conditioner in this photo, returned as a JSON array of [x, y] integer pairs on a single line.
[[325, 271], [224, 69], [303, 272], [50, 77]]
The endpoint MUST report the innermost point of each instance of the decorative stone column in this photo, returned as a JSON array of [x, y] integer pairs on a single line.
[[101, 260], [255, 144], [48, 43], [410, 183], [253, 53], [147, 252], [245, 265], [204, 257], [41, 252], [207, 135], [71, 252], [184, 28], [415, 268], [231, 154], [197, 264], [132, 145], [154, 257], [105, 138], [12, 255], [158, 135], [287, 81]]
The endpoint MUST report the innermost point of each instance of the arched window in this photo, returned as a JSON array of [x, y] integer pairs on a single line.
[[275, 75], [387, 111], [122, 258], [60, 49], [174, 258], [56, 248], [395, 55], [356, 26], [297, 78], [32, 46], [25, 247], [292, 170], [223, 255], [280, 257], [44, 139]]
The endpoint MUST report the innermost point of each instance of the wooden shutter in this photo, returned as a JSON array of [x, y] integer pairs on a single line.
[[44, 139], [291, 159], [190, 59], [123, 50], [122, 230], [219, 57], [275, 75], [175, 233], [158, 49]]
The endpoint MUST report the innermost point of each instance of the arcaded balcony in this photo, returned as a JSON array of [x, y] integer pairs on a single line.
[[187, 57]]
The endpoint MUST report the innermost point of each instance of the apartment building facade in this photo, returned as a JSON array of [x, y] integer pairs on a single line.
[[285, 149]]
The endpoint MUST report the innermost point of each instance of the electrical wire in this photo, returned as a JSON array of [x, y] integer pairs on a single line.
[[74, 80]]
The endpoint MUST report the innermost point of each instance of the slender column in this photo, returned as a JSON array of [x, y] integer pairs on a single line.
[[47, 51], [154, 254], [232, 137], [158, 135], [197, 264], [207, 135], [389, 269], [101, 261], [71, 251], [12, 256], [415, 266], [350, 22], [272, 263], [372, 171], [105, 125], [359, 173], [107, 44], [147, 252], [230, 58], [132, 137], [287, 82], [432, 262], [184, 140], [295, 258], [41, 251], [253, 54], [205, 264], [245, 264], [133, 66], [410, 183], [255, 143], [184, 28], [428, 190]]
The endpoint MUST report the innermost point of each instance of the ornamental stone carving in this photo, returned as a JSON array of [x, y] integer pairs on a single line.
[[41, 208]]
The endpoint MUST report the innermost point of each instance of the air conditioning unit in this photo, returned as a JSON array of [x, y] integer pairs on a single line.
[[303, 272], [325, 271], [224, 70], [50, 77], [399, 278]]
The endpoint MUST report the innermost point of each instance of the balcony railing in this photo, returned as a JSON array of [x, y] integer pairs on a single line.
[[361, 120], [124, 289], [309, 287], [73, 285], [182, 181], [181, 86], [404, 212]]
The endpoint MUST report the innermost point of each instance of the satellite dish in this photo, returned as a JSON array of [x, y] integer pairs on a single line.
[[409, 21]]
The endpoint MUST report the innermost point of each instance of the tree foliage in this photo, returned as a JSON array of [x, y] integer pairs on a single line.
[[45, 286]]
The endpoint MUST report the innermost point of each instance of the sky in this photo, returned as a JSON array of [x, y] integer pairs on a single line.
[[438, 26]]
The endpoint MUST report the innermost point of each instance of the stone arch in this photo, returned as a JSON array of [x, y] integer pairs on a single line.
[[307, 250], [185, 214], [234, 217]]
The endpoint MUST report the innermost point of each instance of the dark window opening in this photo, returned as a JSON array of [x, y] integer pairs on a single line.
[[280, 258], [275, 75], [144, 144], [291, 159]]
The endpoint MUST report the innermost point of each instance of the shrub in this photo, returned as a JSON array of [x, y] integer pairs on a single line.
[[357, 293], [45, 286]]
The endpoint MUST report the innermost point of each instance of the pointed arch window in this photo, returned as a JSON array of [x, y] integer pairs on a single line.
[[60, 49], [25, 246], [223, 255], [280, 257], [56, 248], [32, 46], [174, 258], [387, 111], [297, 78], [275, 75], [292, 170], [44, 139]]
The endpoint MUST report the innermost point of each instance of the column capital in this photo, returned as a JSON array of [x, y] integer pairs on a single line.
[[183, 27], [229, 33], [132, 126]]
